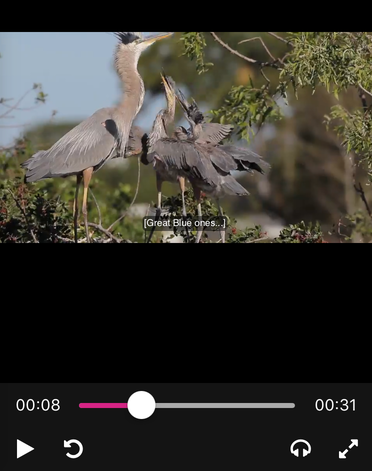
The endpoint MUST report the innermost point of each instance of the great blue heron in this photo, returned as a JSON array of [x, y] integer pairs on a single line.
[[189, 160], [136, 141], [208, 138], [207, 132], [199, 131], [160, 130], [104, 135], [236, 158]]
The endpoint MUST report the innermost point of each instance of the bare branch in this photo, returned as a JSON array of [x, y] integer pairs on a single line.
[[24, 215], [98, 208], [258, 38], [14, 107], [286, 41], [104, 231], [257, 240], [364, 90], [363, 99], [233, 51], [360, 191], [248, 59]]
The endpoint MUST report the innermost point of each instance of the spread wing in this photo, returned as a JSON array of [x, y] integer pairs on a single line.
[[246, 159], [214, 133], [89, 144], [185, 158], [221, 160]]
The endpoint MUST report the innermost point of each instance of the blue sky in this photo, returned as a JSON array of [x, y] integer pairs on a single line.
[[75, 70]]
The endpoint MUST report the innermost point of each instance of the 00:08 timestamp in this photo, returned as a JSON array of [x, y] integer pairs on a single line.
[[44, 405]]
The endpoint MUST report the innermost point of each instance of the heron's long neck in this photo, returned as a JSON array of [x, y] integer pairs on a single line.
[[133, 90], [196, 130], [158, 132]]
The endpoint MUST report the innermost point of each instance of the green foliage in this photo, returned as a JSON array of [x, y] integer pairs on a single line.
[[39, 210], [301, 234], [248, 235], [360, 227], [295, 233], [41, 96], [194, 44], [28, 215], [247, 106], [337, 60], [356, 131]]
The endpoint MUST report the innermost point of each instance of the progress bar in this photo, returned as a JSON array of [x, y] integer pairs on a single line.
[[142, 405], [225, 405], [194, 405]]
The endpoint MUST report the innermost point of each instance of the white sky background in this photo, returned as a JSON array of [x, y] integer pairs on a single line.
[[75, 70]]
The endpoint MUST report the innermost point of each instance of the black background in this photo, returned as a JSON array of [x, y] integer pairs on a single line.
[[189, 439]]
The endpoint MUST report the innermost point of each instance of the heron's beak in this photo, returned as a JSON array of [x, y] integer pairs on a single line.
[[168, 89], [181, 100], [152, 38], [166, 84]]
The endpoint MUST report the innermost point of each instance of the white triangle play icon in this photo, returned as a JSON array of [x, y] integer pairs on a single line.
[[23, 448]]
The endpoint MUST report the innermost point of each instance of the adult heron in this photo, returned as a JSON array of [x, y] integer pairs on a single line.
[[104, 135]]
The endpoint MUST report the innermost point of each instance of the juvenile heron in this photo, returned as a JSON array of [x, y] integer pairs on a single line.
[[212, 134], [207, 138], [104, 135], [160, 130], [187, 159], [199, 131]]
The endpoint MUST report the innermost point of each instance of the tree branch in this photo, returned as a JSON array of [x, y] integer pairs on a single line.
[[242, 56], [258, 38], [360, 191], [104, 231], [24, 215], [286, 41]]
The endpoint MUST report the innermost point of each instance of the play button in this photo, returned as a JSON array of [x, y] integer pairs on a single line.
[[23, 448]]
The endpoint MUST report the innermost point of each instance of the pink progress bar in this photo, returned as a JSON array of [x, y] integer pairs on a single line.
[[103, 405]]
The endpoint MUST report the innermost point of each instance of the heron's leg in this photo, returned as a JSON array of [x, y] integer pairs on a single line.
[[76, 207], [159, 184], [182, 183], [197, 195], [87, 176], [223, 233]]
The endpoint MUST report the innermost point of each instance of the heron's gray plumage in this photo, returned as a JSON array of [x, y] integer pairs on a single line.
[[91, 144], [206, 166], [179, 158], [246, 159], [183, 158], [204, 133], [223, 156], [102, 136], [220, 159], [214, 133], [135, 144]]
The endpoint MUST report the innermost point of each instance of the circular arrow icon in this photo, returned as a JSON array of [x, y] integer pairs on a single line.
[[67, 444]]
